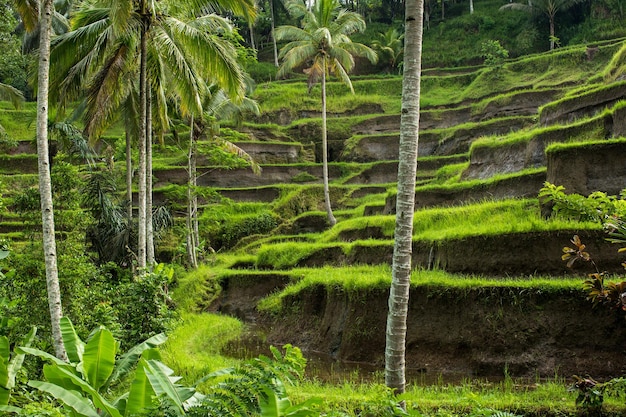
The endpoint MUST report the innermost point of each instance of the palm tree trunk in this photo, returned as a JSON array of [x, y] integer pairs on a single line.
[[45, 185], [405, 204], [552, 38], [149, 224], [191, 238], [129, 176], [273, 37], [142, 192], [329, 211]]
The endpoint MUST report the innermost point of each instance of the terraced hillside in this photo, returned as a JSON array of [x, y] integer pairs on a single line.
[[483, 141]]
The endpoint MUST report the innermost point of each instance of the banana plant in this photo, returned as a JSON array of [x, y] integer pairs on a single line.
[[80, 384], [10, 364]]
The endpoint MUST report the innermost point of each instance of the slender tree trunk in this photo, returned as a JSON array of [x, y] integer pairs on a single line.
[[191, 238], [405, 205], [443, 9], [45, 185], [471, 6], [251, 28], [273, 37], [552, 38], [329, 210], [142, 191], [129, 176], [149, 224]]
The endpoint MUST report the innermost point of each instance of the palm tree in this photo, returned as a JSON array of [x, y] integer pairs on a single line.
[[405, 204], [389, 48], [45, 186], [176, 50], [323, 45], [548, 7]]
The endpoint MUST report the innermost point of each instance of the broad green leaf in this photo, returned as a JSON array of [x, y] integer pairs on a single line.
[[130, 358], [141, 392], [55, 376], [18, 359], [98, 400], [41, 354], [4, 254], [271, 405], [71, 399], [5, 354], [73, 345], [5, 394], [164, 384], [10, 409], [99, 358]]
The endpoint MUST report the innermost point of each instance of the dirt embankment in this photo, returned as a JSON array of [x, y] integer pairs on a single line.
[[477, 332]]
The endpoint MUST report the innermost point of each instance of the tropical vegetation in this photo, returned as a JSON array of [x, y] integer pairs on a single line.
[[222, 203]]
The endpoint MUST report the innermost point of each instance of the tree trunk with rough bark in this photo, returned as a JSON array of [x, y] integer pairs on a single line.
[[329, 211], [150, 259], [192, 243], [129, 176], [273, 37], [45, 184], [142, 191], [405, 205]]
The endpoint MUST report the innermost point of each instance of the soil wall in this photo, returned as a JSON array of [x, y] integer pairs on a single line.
[[476, 332]]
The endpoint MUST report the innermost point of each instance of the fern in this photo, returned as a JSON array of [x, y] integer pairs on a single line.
[[242, 390]]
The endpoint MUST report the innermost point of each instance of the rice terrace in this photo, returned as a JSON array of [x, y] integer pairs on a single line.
[[201, 208]]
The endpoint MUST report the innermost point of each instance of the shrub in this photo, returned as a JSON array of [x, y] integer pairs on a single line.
[[493, 53], [237, 228]]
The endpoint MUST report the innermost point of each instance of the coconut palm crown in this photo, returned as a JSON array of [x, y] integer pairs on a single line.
[[322, 45], [323, 40]]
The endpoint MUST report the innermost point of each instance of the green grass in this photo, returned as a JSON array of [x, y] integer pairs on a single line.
[[580, 95], [194, 348], [441, 399], [582, 146], [359, 278]]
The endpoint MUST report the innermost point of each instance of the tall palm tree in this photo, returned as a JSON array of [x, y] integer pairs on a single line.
[[45, 185], [323, 45], [178, 48], [405, 204]]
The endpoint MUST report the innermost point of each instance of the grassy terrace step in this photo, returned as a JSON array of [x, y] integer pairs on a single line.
[[525, 184], [449, 141], [18, 164], [585, 103], [500, 254], [216, 177], [526, 149], [526, 320]]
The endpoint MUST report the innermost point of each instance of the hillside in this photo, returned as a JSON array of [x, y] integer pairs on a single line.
[[488, 257]]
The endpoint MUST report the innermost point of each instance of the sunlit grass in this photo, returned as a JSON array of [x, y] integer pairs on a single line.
[[358, 278], [194, 348], [539, 397]]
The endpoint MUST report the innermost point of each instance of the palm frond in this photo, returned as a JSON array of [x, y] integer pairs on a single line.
[[295, 57], [73, 141], [12, 94], [192, 8], [236, 150], [517, 6], [107, 90], [29, 12]]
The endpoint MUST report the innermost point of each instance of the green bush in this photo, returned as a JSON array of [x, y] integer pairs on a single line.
[[261, 71], [235, 229]]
